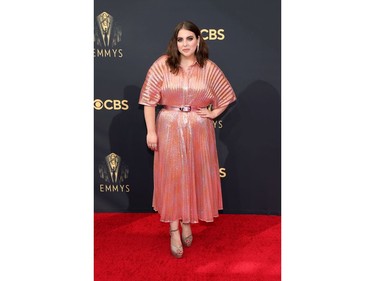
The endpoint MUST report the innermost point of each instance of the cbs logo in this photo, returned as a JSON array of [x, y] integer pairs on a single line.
[[111, 104], [213, 34]]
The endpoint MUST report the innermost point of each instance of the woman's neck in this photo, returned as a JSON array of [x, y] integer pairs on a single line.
[[185, 62]]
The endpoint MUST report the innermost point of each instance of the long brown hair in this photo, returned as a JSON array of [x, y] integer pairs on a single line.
[[173, 60]]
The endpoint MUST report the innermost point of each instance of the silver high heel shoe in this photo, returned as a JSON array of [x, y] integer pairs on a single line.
[[188, 240], [177, 251]]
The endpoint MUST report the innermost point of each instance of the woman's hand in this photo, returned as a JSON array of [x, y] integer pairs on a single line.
[[212, 114], [206, 113], [152, 141]]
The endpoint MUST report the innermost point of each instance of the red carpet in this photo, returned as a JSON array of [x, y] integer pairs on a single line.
[[135, 246]]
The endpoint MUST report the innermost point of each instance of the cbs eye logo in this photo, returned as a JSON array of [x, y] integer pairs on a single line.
[[111, 104], [213, 34]]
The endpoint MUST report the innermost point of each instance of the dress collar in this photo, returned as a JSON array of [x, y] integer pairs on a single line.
[[194, 63]]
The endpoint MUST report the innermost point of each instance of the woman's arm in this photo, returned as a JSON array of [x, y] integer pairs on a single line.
[[152, 138]]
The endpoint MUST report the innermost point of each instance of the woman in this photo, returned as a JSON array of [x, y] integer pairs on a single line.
[[186, 83]]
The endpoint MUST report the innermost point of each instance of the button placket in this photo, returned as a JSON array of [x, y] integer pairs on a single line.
[[187, 85]]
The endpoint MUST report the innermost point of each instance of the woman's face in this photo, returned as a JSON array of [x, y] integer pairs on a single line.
[[187, 43]]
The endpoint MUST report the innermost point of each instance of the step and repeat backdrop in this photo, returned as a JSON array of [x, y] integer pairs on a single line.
[[244, 39]]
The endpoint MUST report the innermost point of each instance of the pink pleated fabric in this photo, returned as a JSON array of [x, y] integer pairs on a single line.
[[186, 170]]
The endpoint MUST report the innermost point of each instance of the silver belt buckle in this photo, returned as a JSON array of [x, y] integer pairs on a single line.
[[185, 108]]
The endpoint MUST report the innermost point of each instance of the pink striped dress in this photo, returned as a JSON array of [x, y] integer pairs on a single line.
[[186, 170]]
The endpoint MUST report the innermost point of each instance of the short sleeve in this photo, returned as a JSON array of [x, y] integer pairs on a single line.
[[223, 91], [150, 92]]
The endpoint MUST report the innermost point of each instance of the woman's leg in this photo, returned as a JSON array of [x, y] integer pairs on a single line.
[[187, 235], [176, 244]]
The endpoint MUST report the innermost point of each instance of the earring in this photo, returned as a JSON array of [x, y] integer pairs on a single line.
[[197, 48]]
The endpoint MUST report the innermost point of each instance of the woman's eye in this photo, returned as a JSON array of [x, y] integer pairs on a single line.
[[179, 39]]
